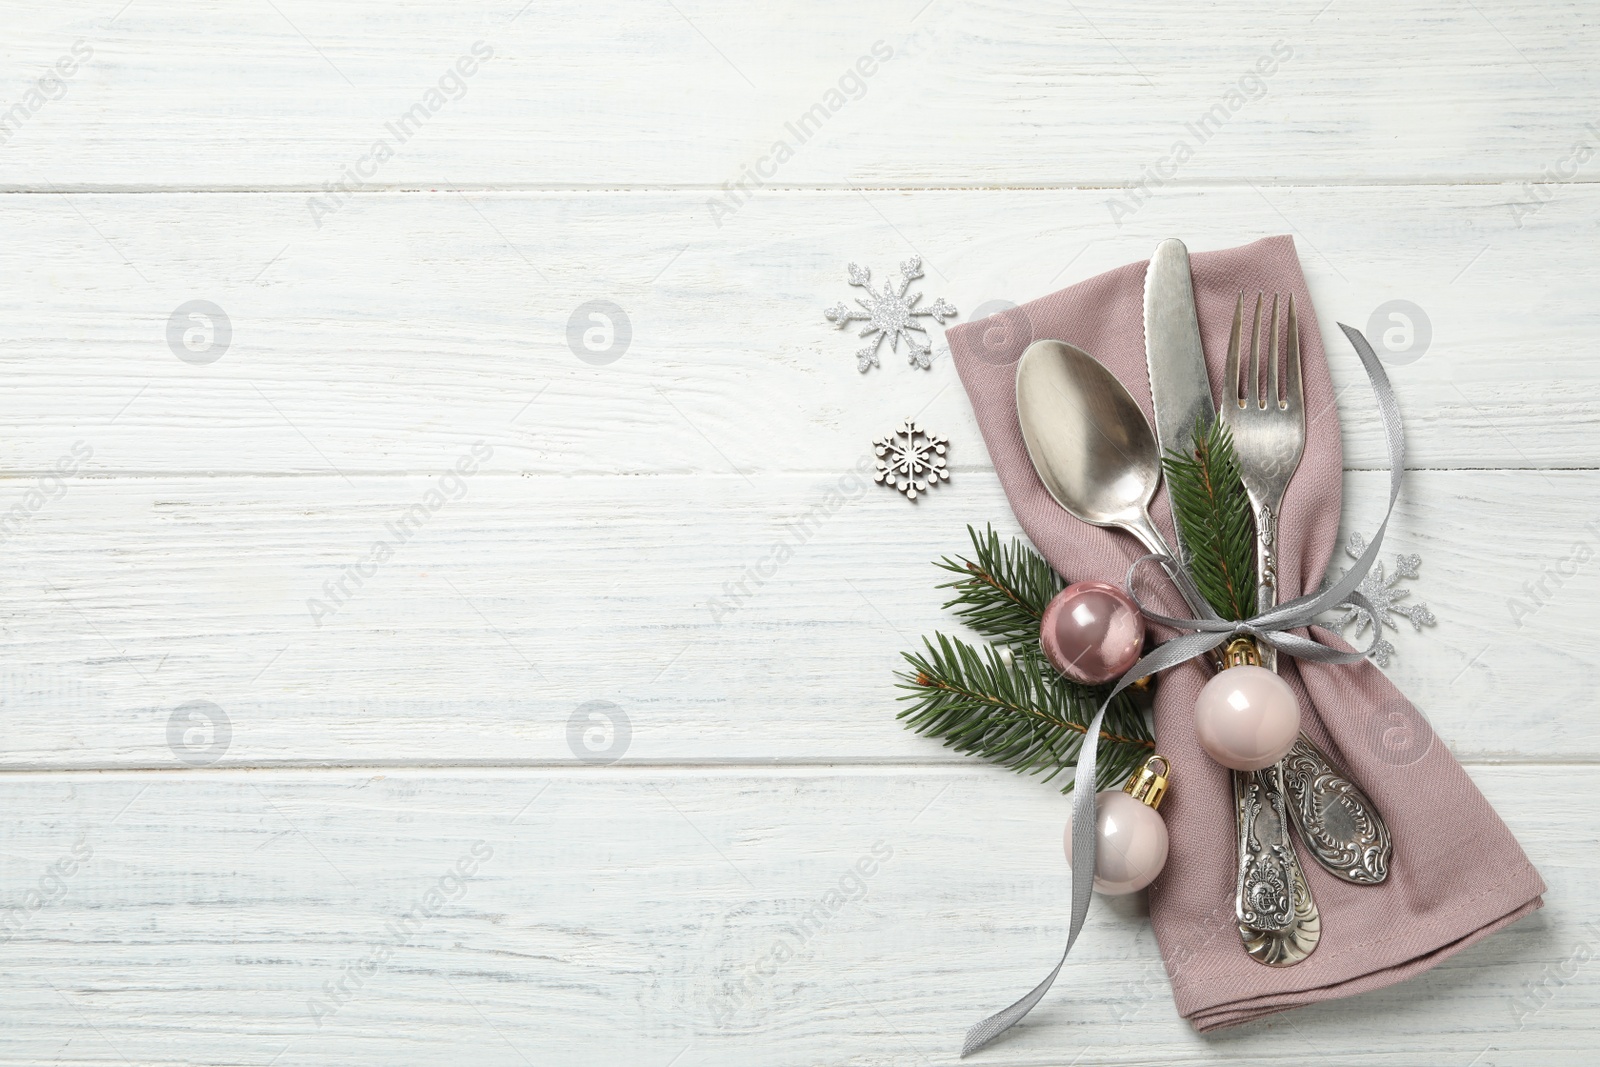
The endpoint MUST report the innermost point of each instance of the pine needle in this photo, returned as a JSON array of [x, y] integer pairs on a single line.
[[1002, 593], [1011, 707], [1214, 517]]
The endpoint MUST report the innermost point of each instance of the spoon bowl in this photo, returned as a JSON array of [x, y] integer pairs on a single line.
[[1090, 444]]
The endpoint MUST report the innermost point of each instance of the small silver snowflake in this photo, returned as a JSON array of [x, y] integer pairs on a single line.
[[913, 459], [1384, 597], [891, 314]]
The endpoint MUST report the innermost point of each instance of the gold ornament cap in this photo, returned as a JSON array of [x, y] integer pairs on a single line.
[[1241, 651], [1150, 786]]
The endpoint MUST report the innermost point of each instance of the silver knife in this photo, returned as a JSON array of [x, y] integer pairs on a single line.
[[1268, 896], [1178, 382]]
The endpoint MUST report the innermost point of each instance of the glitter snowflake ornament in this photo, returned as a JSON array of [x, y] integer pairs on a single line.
[[913, 459], [891, 314], [1384, 596]]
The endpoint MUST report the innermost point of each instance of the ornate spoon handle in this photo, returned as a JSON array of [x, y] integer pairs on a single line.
[[1336, 821]]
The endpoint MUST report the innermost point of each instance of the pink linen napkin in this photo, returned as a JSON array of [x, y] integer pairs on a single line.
[[1457, 873]]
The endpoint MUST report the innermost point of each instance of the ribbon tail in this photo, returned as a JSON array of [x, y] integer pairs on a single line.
[[1084, 834], [1317, 652], [1395, 437], [1085, 827], [1001, 1021]]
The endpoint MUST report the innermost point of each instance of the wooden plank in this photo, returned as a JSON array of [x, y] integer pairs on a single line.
[[499, 617], [1026, 94], [412, 326], [610, 915]]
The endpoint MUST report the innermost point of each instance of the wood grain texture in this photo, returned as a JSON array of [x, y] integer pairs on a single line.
[[412, 325], [612, 915], [511, 607], [986, 94], [549, 704]]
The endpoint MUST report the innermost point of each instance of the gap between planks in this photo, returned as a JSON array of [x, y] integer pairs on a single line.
[[775, 768]]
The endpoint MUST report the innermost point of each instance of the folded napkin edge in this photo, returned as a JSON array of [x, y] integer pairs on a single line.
[[1522, 886], [1237, 1013]]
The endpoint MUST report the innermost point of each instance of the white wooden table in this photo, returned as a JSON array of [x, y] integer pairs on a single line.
[[240, 828]]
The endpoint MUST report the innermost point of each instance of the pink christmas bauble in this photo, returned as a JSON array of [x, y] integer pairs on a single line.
[[1133, 843], [1092, 632], [1247, 718]]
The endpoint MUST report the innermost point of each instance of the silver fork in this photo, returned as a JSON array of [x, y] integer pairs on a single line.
[[1278, 919], [1269, 435], [1336, 820]]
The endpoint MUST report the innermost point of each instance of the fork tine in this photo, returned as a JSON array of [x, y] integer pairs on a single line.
[[1294, 393], [1271, 399], [1231, 375], [1252, 393]]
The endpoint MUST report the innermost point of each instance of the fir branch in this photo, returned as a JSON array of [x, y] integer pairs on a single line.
[[1001, 594], [1015, 710], [1215, 519]]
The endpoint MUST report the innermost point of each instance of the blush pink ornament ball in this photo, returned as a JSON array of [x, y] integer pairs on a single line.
[[1133, 843], [1092, 632], [1247, 718]]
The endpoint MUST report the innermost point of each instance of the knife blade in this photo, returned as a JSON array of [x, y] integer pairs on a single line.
[[1179, 385]]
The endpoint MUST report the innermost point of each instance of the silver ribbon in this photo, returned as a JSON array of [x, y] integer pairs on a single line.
[[1211, 631]]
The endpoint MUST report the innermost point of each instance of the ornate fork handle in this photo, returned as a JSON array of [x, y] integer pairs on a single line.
[[1287, 947], [1267, 574], [1336, 820]]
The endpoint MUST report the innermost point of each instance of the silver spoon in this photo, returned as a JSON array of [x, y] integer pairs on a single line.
[[1090, 443], [1098, 458]]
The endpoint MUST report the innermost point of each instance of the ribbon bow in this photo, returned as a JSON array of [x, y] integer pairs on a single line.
[[1272, 626]]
